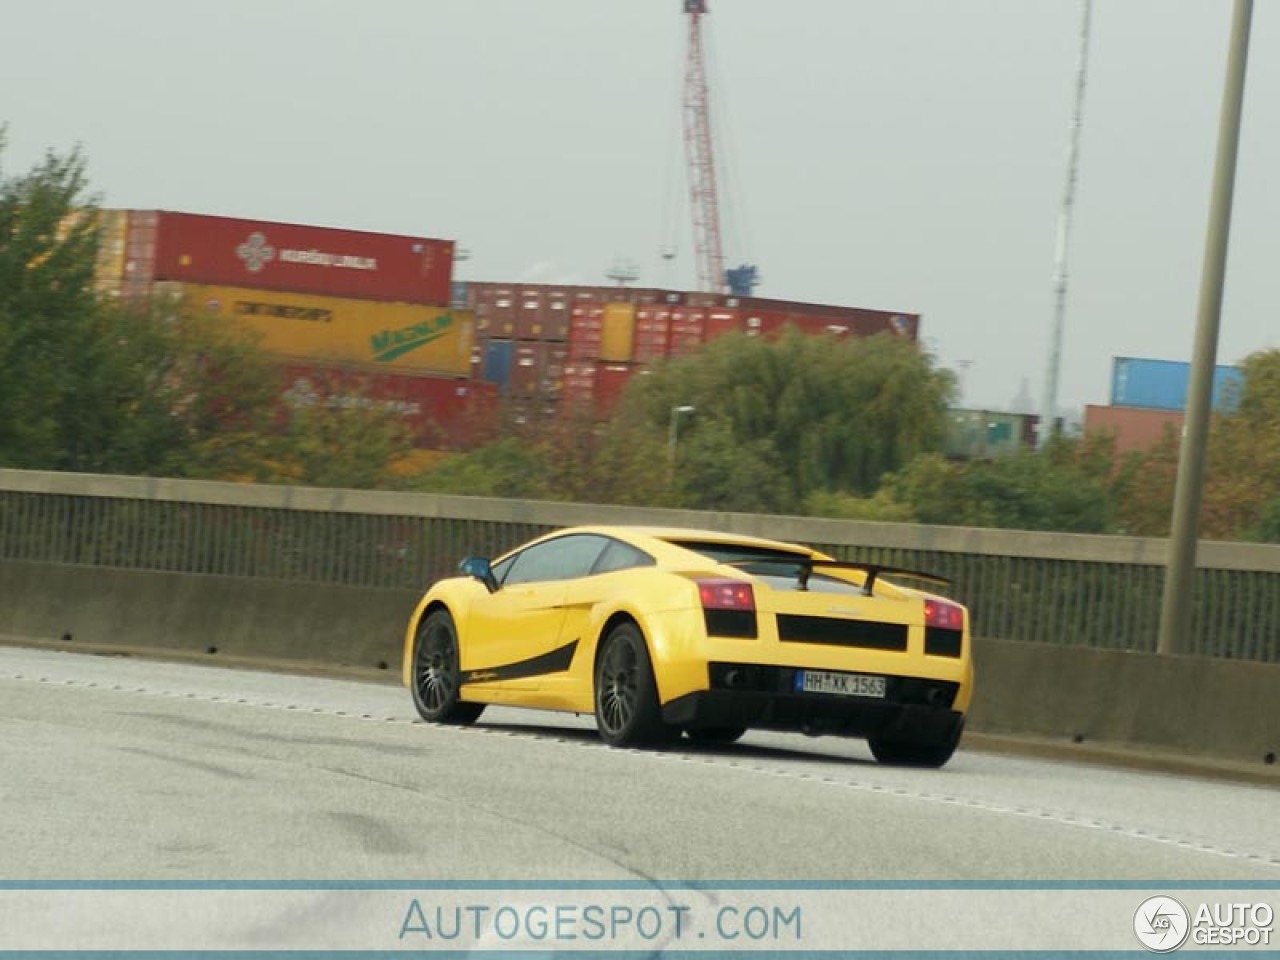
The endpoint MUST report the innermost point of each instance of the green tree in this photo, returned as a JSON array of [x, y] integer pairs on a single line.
[[509, 467], [716, 470], [338, 433], [1064, 487], [47, 302], [795, 416], [1242, 479], [1142, 488]]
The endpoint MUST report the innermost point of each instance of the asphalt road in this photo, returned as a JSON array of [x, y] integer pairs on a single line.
[[122, 769]]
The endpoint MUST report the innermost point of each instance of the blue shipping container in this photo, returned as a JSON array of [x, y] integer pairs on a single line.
[[1163, 384], [498, 355]]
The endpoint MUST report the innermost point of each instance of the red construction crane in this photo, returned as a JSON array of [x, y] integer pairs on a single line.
[[702, 168]]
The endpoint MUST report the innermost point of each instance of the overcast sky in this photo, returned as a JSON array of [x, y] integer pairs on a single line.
[[897, 154]]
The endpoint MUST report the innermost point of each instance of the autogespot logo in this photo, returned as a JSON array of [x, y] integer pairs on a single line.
[[1161, 924], [256, 252]]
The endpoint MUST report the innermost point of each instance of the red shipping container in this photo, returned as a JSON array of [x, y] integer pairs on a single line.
[[721, 321], [862, 323], [579, 393], [442, 412], [526, 368], [530, 312], [264, 255], [611, 381], [1134, 428], [559, 305], [816, 326], [905, 325], [652, 334], [858, 321], [701, 299], [554, 358], [586, 330], [688, 331], [495, 310], [139, 265], [765, 323]]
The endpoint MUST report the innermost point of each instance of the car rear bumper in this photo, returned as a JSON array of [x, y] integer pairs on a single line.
[[754, 696]]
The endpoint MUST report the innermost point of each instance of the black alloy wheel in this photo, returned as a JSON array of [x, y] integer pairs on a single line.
[[626, 696], [436, 674]]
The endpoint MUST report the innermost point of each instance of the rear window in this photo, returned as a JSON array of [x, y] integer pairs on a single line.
[[779, 568], [738, 553]]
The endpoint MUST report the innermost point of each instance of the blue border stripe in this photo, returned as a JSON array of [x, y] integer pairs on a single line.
[[621, 954], [622, 885]]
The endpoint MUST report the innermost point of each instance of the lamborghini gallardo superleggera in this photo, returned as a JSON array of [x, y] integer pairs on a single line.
[[661, 633]]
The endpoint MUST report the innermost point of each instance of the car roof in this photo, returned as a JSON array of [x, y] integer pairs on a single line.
[[644, 536]]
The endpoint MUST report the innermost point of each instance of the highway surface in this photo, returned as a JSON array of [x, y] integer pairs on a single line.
[[121, 769]]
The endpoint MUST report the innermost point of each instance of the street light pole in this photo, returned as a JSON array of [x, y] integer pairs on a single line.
[[672, 435], [1179, 584]]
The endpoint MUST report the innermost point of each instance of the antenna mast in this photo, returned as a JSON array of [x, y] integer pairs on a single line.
[[1049, 404]]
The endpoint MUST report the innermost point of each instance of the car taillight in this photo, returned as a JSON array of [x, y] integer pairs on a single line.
[[728, 608], [726, 595], [944, 615]]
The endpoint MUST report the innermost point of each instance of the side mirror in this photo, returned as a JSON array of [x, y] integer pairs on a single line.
[[478, 568]]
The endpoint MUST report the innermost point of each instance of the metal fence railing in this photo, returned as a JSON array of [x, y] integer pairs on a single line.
[[1052, 588]]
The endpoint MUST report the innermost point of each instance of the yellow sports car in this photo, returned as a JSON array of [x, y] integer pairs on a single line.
[[662, 631]]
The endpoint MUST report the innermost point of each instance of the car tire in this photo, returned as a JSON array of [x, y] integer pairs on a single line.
[[714, 735], [916, 753], [626, 695], [437, 675]]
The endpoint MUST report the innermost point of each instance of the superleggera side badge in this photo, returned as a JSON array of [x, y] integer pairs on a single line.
[[554, 661]]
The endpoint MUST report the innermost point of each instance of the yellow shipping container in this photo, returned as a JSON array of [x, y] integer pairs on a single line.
[[395, 336], [617, 331], [113, 228]]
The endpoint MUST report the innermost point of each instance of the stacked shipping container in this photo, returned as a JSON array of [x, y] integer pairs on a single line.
[[400, 336], [604, 336], [260, 255], [345, 308], [987, 434], [1163, 384], [1149, 399], [1134, 428], [346, 311]]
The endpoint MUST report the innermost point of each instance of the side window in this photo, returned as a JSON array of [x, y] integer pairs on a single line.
[[560, 559], [621, 556], [500, 569]]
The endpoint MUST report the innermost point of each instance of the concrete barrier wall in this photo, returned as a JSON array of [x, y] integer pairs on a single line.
[[1203, 707], [1073, 590], [1200, 706], [324, 624]]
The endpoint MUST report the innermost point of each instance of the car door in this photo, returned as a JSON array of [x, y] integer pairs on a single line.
[[513, 636], [603, 584]]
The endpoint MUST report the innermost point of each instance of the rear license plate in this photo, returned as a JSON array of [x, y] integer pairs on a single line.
[[842, 684]]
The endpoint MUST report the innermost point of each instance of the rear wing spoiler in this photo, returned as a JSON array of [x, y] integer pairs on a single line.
[[872, 570]]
